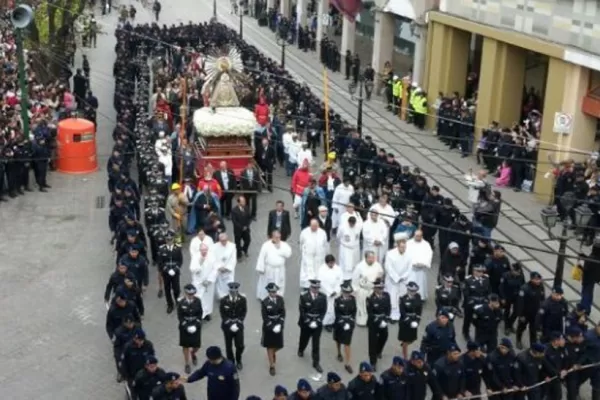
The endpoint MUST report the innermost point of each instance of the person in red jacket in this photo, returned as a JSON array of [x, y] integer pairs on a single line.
[[300, 181], [210, 181], [261, 112]]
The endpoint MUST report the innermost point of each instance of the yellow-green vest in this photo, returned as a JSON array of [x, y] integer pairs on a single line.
[[419, 105], [397, 89]]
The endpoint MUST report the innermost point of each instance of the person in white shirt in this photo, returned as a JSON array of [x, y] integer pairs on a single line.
[[348, 236], [475, 183], [166, 160], [421, 256], [375, 235], [225, 255], [314, 246], [365, 273], [204, 275], [386, 212], [198, 241], [162, 142], [270, 265], [341, 197], [331, 276], [398, 267], [293, 150], [305, 154], [350, 212]]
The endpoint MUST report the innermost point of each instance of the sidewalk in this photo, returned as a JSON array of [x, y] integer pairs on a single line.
[[520, 221]]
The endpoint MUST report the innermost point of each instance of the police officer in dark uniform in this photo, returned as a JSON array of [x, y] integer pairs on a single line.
[[474, 365], [170, 389], [439, 336], [189, 314], [419, 376], [41, 157], [527, 370], [486, 318], [345, 321], [411, 308], [510, 284], [552, 314], [233, 309], [365, 386], [379, 309], [449, 375], [529, 302], [273, 320], [119, 309], [480, 252], [122, 335], [394, 382], [148, 378], [499, 369], [136, 264], [574, 358], [134, 356], [447, 295], [223, 380], [303, 391], [170, 258], [154, 216], [476, 291], [555, 366], [313, 306], [116, 280], [334, 389]]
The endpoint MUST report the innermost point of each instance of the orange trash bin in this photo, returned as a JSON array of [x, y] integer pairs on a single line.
[[76, 142]]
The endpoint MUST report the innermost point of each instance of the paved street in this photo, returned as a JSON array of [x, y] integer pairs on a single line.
[[56, 258]]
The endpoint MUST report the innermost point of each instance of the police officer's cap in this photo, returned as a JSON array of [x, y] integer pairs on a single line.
[[448, 278], [134, 246], [170, 234], [347, 288], [129, 216], [189, 289], [368, 137], [315, 283], [535, 275], [493, 297], [555, 336], [151, 360], [171, 376], [121, 293], [214, 353], [417, 355], [271, 287], [447, 202], [118, 198], [332, 377], [132, 232], [128, 318], [398, 361], [280, 391], [557, 290], [139, 334], [518, 266], [479, 267], [574, 330], [378, 284], [365, 367], [412, 287], [453, 347], [390, 155], [506, 342], [453, 245], [303, 385], [444, 313], [498, 247], [253, 398], [329, 258], [538, 347], [472, 346]]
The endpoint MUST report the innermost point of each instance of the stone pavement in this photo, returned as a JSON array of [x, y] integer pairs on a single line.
[[520, 228]]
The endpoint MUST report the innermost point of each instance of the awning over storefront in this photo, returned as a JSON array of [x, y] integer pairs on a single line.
[[402, 8]]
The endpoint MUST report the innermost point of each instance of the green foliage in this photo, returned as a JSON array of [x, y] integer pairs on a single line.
[[50, 17]]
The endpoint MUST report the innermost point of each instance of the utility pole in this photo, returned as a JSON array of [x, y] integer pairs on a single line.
[[241, 11], [21, 18]]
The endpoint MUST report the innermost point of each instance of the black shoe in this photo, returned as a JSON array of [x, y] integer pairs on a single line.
[[20, 191], [12, 195], [194, 359], [3, 199], [374, 367], [28, 189], [348, 368], [207, 318], [519, 344], [169, 309], [47, 186], [329, 328], [160, 293], [318, 368], [340, 358], [272, 371], [43, 189], [240, 366], [300, 354], [188, 369]]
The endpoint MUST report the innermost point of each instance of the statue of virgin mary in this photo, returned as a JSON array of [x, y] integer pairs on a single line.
[[222, 73]]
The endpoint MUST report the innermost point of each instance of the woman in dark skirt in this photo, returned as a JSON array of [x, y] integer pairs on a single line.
[[189, 313], [273, 316], [343, 328], [411, 308]]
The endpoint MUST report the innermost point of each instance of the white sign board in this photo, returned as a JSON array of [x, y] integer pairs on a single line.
[[563, 123], [325, 19]]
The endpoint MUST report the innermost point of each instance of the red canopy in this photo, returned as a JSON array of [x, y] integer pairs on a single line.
[[349, 8]]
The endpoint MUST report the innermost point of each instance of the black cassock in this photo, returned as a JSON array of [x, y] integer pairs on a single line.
[[345, 319], [411, 308], [313, 201], [190, 318], [273, 314]]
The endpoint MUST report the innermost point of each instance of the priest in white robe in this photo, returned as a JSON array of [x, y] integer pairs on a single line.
[[350, 212], [225, 255], [341, 197], [331, 276], [314, 247], [200, 239], [385, 211], [204, 275], [270, 264], [421, 256], [375, 236], [398, 267], [365, 273], [348, 236]]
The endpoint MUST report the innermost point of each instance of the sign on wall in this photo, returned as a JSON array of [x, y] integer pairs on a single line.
[[563, 123]]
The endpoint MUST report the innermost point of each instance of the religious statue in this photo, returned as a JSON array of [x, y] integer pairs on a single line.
[[224, 73]]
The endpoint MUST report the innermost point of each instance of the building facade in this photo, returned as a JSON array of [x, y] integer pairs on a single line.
[[562, 35]]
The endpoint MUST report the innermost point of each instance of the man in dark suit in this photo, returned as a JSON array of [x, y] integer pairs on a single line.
[[325, 221], [265, 157], [241, 219], [226, 179], [279, 219], [250, 184]]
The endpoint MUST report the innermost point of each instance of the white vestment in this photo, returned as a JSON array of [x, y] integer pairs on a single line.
[[204, 276], [344, 219], [341, 197], [386, 212], [349, 248], [421, 255], [362, 283], [196, 243], [314, 248], [373, 231], [271, 267], [331, 281], [397, 271], [225, 257]]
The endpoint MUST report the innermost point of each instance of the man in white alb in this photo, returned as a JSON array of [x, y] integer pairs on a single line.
[[200, 239], [421, 255], [375, 236], [331, 276], [270, 265], [305, 154], [341, 197], [385, 211], [397, 271], [204, 275], [365, 273], [350, 212], [313, 246], [225, 255], [348, 236]]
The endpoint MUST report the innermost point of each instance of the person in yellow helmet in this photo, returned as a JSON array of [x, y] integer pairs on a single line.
[[176, 210]]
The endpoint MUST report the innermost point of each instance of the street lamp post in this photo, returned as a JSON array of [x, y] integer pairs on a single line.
[[215, 9], [21, 17], [550, 218], [241, 11], [282, 41], [362, 86]]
